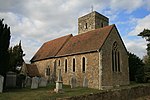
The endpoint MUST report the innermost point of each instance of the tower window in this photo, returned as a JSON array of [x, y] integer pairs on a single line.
[[66, 65], [83, 64], [73, 65], [86, 26], [115, 58]]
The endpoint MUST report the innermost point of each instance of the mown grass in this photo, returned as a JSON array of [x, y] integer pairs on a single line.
[[48, 93], [44, 93]]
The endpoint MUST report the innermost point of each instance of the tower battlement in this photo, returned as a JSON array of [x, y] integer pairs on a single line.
[[91, 21]]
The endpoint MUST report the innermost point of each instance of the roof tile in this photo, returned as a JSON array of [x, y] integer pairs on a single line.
[[50, 48], [67, 45], [89, 41], [32, 70]]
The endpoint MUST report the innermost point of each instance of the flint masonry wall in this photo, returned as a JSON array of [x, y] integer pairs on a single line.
[[91, 68], [91, 21], [43, 64], [110, 78]]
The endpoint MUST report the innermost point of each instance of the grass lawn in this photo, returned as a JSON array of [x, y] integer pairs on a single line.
[[44, 93], [49, 94]]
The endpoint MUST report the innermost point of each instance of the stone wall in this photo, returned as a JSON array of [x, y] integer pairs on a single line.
[[118, 94], [98, 66], [91, 21], [110, 78], [91, 68], [43, 64]]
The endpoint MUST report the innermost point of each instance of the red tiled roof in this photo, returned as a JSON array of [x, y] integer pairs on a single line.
[[32, 70], [67, 45], [86, 42], [50, 48]]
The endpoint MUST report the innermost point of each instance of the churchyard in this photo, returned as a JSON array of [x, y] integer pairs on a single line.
[[38, 88], [48, 93], [44, 93]]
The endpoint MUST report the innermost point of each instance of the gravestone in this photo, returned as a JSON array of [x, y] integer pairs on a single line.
[[28, 81], [35, 82], [42, 82], [11, 78], [1, 83], [59, 83], [85, 82], [73, 82]]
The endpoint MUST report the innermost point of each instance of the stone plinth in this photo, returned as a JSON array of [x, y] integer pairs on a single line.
[[59, 83], [58, 88]]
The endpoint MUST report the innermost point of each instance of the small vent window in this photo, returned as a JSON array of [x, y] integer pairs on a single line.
[[102, 25], [86, 26]]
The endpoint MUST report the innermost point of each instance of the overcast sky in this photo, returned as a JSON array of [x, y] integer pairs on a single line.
[[37, 21]]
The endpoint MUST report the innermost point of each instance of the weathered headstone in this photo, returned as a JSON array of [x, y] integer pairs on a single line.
[[85, 82], [28, 81], [42, 82], [73, 82], [59, 83], [11, 78], [52, 78], [35, 82], [1, 83]]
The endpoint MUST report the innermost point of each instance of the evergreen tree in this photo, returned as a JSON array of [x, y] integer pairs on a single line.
[[4, 45], [16, 57], [146, 34], [136, 68]]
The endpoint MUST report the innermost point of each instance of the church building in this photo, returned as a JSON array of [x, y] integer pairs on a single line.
[[96, 56]]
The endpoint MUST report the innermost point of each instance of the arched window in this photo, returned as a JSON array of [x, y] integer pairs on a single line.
[[83, 64], [115, 58], [73, 64], [58, 62], [48, 71], [66, 65], [118, 61]]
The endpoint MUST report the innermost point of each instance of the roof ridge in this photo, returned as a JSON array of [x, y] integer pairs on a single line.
[[94, 30], [64, 43], [58, 38]]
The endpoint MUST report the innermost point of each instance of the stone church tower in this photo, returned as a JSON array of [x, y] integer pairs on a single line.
[[91, 21]]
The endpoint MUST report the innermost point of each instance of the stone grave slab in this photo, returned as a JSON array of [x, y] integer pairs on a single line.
[[73, 82], [35, 82], [42, 82], [1, 83], [28, 81], [85, 82]]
